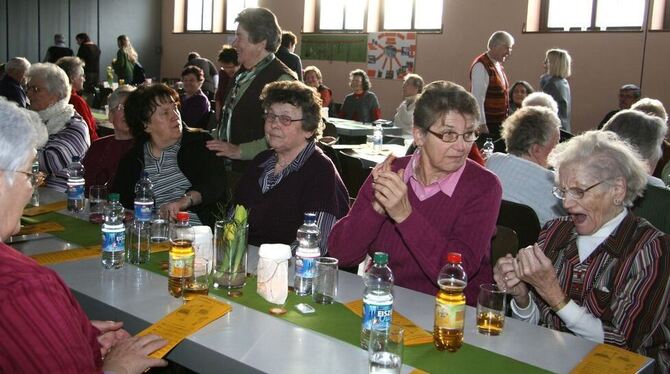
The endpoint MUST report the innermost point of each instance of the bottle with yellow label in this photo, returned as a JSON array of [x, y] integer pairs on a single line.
[[450, 305], [181, 255]]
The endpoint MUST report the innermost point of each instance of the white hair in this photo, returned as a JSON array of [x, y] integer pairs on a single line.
[[56, 80], [540, 99], [22, 132]]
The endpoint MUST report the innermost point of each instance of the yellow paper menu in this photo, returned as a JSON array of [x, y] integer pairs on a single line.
[[414, 335], [76, 254], [605, 358], [186, 320], [37, 210]]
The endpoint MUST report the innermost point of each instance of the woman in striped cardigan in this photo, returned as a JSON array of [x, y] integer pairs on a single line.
[[601, 273]]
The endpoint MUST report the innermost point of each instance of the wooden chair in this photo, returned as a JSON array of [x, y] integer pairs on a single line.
[[503, 242], [353, 172], [522, 219]]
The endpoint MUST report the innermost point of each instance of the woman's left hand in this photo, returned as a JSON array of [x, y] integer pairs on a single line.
[[224, 149], [390, 192], [168, 211], [536, 269]]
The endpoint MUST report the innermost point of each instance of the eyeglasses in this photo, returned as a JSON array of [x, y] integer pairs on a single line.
[[284, 120], [574, 192], [35, 89], [35, 178], [451, 136]]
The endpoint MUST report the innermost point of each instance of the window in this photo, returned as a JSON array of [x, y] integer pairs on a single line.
[[233, 8], [198, 15], [593, 14], [412, 15], [342, 15]]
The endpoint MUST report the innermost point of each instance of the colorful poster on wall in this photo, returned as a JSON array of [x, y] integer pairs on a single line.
[[391, 54]]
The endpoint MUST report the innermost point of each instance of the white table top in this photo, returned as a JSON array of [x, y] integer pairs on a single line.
[[246, 340]]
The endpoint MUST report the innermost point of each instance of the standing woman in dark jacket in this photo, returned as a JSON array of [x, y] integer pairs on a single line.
[[185, 175], [125, 60], [557, 66]]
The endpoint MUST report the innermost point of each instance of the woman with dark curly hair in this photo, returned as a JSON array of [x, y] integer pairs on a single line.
[[294, 176], [186, 176]]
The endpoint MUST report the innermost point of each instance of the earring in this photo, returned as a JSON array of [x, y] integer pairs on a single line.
[[617, 202]]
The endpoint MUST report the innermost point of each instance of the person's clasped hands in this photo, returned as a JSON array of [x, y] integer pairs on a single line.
[[390, 191], [126, 354], [530, 267]]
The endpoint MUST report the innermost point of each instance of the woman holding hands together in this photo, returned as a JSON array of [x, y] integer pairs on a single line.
[[601, 273]]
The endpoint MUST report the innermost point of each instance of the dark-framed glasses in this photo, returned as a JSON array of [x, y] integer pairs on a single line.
[[574, 192], [284, 120], [452, 136]]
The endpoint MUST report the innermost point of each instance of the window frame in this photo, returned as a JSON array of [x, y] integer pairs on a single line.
[[413, 28], [201, 31], [317, 25], [544, 19]]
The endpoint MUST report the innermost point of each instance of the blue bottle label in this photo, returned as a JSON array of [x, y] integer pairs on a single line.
[[114, 241], [75, 192], [305, 267], [143, 211], [377, 315]]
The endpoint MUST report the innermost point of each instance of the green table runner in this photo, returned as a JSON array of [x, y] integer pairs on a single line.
[[332, 320], [76, 231], [337, 321]]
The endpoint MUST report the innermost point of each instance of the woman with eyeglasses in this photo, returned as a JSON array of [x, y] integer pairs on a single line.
[[49, 93], [185, 175], [420, 207], [293, 177], [102, 159], [601, 272]]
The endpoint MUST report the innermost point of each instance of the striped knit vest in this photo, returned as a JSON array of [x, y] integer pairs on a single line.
[[496, 102]]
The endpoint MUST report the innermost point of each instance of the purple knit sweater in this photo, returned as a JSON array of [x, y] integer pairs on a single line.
[[418, 246]]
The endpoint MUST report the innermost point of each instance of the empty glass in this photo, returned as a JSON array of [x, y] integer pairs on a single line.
[[385, 349], [324, 288], [97, 195]]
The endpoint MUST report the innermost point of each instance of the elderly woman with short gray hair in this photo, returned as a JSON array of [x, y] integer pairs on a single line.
[[530, 134], [645, 133], [49, 92], [411, 88], [601, 273]]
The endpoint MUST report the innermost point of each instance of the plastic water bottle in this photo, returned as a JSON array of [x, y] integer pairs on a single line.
[[306, 254], [113, 234], [450, 305], [35, 198], [182, 255], [377, 297], [377, 139], [75, 185], [144, 198], [487, 148]]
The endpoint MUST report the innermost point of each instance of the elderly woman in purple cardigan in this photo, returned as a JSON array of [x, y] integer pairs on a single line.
[[420, 207]]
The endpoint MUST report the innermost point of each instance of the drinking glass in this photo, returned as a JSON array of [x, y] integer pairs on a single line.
[[160, 232], [324, 288], [96, 202], [385, 349], [369, 143], [199, 284], [490, 309]]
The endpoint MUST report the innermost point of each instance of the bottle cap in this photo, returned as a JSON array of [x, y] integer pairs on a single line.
[[183, 216], [310, 217], [454, 257], [381, 258], [113, 196]]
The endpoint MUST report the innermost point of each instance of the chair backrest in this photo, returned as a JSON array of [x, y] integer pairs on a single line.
[[332, 154], [503, 242], [654, 206], [353, 172], [522, 219], [394, 139], [329, 129]]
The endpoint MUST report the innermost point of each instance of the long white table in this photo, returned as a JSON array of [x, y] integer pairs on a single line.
[[248, 341], [349, 127]]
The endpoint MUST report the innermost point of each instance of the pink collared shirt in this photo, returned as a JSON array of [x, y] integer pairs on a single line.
[[446, 184]]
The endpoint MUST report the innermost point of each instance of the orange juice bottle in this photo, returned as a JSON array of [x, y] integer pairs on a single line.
[[450, 305]]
